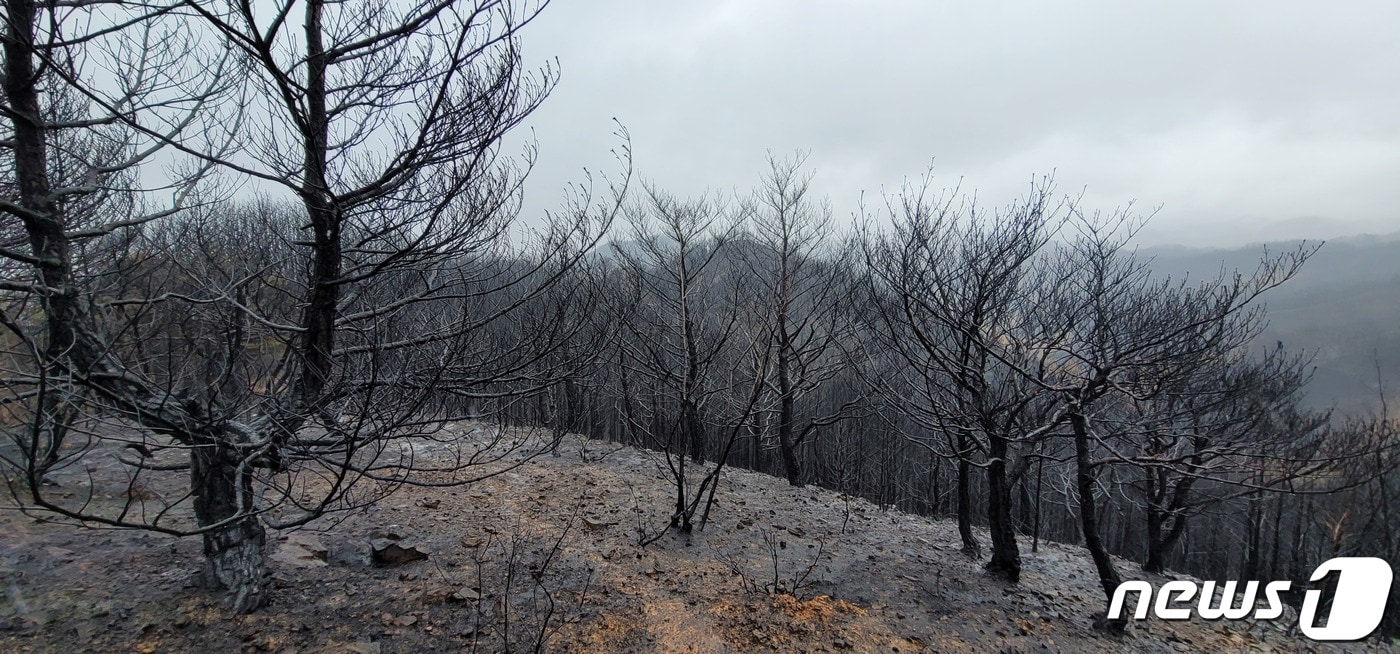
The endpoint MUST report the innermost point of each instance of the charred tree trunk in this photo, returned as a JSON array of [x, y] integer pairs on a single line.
[[935, 475], [1006, 557], [755, 450], [43, 222], [574, 421], [694, 431], [681, 519], [318, 321], [1089, 522], [1039, 478], [1024, 512], [1153, 561], [1164, 525], [787, 410], [1274, 567], [970, 545], [222, 481], [689, 411], [1161, 538], [1253, 534]]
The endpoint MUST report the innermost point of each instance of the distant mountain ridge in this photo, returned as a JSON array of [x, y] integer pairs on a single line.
[[1343, 307]]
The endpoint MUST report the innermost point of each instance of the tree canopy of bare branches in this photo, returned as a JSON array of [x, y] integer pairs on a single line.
[[280, 352]]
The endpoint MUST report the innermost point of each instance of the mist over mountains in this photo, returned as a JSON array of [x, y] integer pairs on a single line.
[[1343, 308]]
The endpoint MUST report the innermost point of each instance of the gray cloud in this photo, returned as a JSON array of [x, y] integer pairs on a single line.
[[1245, 120]]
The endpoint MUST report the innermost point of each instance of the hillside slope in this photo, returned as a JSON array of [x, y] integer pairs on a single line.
[[547, 551]]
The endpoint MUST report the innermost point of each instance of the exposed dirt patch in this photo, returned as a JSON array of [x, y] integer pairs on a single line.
[[547, 552]]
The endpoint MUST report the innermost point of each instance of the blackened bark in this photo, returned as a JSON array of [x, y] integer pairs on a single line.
[[1023, 513], [573, 405], [1039, 478], [690, 413], [1089, 522], [792, 465], [1160, 545], [694, 430], [1164, 526], [1277, 536], [1154, 562], [318, 321], [755, 453], [970, 545], [1253, 545], [681, 518], [233, 550], [787, 406], [1006, 557], [43, 222]]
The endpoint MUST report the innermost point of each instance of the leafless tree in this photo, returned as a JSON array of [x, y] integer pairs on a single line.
[[1230, 427], [951, 284], [298, 375], [804, 284], [1112, 335], [691, 374]]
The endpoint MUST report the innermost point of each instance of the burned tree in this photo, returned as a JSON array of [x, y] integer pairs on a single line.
[[1231, 427], [288, 382], [805, 284], [690, 373], [951, 284], [1113, 338]]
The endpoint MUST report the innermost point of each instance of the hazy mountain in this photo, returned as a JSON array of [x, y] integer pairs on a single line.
[[1344, 307]]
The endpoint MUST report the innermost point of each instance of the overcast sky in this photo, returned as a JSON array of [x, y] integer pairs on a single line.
[[1245, 120]]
